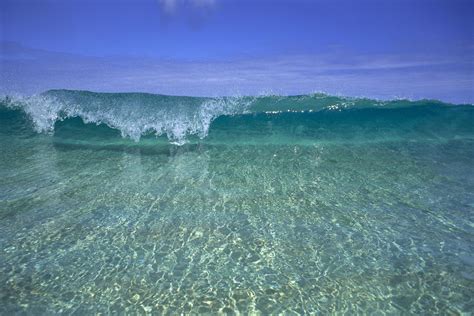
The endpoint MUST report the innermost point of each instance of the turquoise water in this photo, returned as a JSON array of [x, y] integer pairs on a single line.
[[148, 204]]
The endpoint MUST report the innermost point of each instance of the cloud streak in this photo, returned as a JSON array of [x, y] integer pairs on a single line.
[[27, 70]]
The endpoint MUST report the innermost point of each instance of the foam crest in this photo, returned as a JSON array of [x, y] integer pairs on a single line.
[[177, 117], [134, 115]]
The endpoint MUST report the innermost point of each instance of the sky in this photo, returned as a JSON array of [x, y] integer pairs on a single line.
[[376, 48]]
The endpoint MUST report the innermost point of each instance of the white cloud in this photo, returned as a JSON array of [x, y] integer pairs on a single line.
[[172, 6], [168, 6]]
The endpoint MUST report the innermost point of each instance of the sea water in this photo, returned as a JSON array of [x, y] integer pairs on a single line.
[[131, 203]]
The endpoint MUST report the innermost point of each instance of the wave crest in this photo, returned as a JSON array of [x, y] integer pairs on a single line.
[[138, 114], [134, 115]]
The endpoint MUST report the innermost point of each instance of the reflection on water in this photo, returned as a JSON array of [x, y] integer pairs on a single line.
[[213, 228]]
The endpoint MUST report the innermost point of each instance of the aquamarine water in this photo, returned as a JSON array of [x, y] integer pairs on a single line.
[[147, 204]]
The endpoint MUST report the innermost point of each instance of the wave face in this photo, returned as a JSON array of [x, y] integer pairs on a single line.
[[179, 118], [133, 114]]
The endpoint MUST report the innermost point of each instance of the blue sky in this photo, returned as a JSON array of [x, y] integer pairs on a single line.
[[380, 48]]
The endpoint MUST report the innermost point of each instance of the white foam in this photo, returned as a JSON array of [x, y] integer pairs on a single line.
[[177, 120]]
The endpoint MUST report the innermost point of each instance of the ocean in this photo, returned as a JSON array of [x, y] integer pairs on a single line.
[[133, 203]]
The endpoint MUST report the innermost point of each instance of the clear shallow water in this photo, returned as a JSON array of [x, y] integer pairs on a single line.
[[359, 210]]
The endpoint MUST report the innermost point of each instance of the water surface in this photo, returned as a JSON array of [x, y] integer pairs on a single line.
[[271, 204]]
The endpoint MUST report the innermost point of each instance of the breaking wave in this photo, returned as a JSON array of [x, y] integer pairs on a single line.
[[138, 114]]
